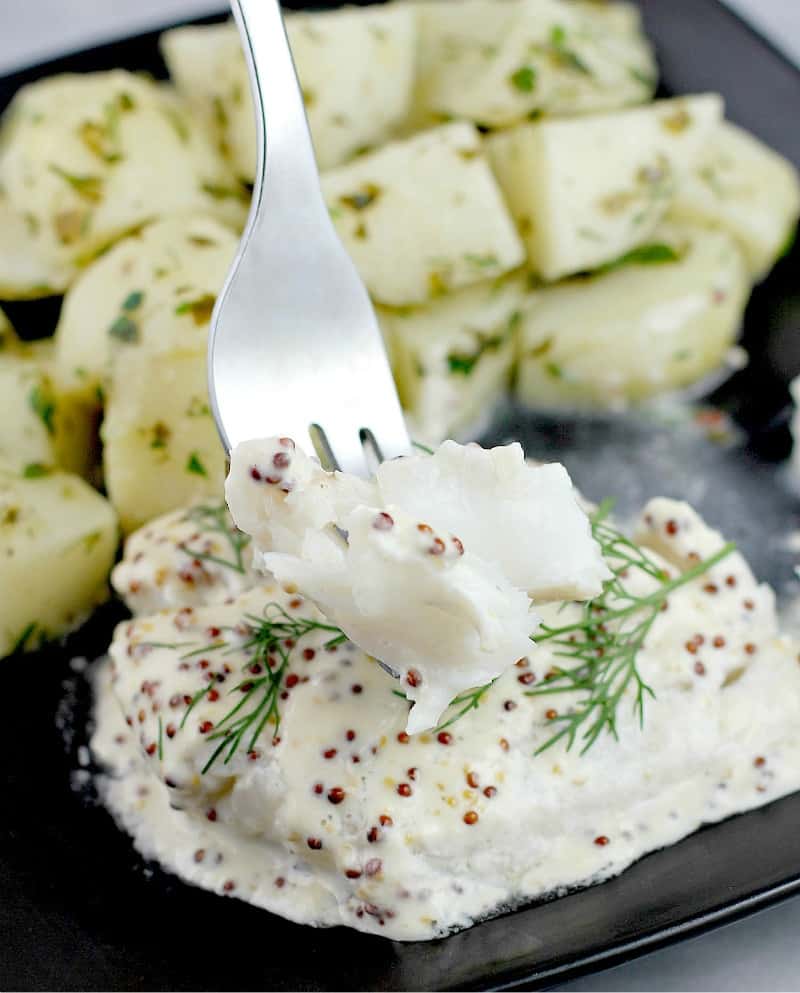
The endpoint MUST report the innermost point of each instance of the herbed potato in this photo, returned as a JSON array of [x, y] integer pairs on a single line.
[[153, 291], [586, 190], [161, 447], [58, 538], [452, 359], [40, 428], [85, 159], [658, 321], [356, 67], [27, 271], [498, 63], [423, 216], [740, 184]]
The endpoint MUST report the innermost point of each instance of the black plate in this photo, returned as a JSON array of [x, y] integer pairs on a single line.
[[79, 910]]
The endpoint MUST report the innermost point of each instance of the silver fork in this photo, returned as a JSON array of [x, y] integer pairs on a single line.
[[295, 347]]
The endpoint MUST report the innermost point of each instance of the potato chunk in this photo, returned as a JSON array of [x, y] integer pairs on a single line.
[[496, 63], [388, 208], [57, 543], [41, 429], [659, 322], [585, 191], [26, 271], [356, 67], [452, 359], [742, 185], [84, 159], [161, 449], [152, 292]]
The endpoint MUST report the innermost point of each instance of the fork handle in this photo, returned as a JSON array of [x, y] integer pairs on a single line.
[[285, 162]]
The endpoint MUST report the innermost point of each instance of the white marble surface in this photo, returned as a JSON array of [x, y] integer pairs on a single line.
[[760, 953]]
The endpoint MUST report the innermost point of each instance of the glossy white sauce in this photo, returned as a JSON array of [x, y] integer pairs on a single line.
[[721, 736]]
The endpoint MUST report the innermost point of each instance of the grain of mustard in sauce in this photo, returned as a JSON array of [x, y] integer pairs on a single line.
[[339, 816]]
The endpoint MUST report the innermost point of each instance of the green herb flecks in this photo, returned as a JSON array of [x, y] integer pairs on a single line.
[[657, 253], [564, 56], [362, 198], [220, 192], [23, 641], [524, 79], [200, 308], [178, 123], [133, 300], [42, 403], [35, 470], [488, 261], [645, 78], [195, 466], [124, 328], [463, 363], [90, 188]]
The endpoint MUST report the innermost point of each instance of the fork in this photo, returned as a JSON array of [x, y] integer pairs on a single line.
[[294, 347]]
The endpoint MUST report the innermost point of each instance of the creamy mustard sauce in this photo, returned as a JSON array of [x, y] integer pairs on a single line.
[[342, 818]]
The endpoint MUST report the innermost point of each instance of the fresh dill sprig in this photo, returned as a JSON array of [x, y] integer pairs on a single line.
[[601, 648], [466, 702], [270, 640], [213, 519]]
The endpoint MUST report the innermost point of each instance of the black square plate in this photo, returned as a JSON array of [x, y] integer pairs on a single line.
[[79, 909]]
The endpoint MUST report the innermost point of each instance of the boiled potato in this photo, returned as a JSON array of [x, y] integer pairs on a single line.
[[584, 191], [356, 67], [743, 186], [497, 63], [207, 66], [85, 159], [39, 428], [58, 538], [162, 450], [388, 208], [452, 358], [153, 291], [26, 269], [659, 321]]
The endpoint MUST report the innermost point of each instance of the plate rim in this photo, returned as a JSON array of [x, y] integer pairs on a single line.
[[618, 952]]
